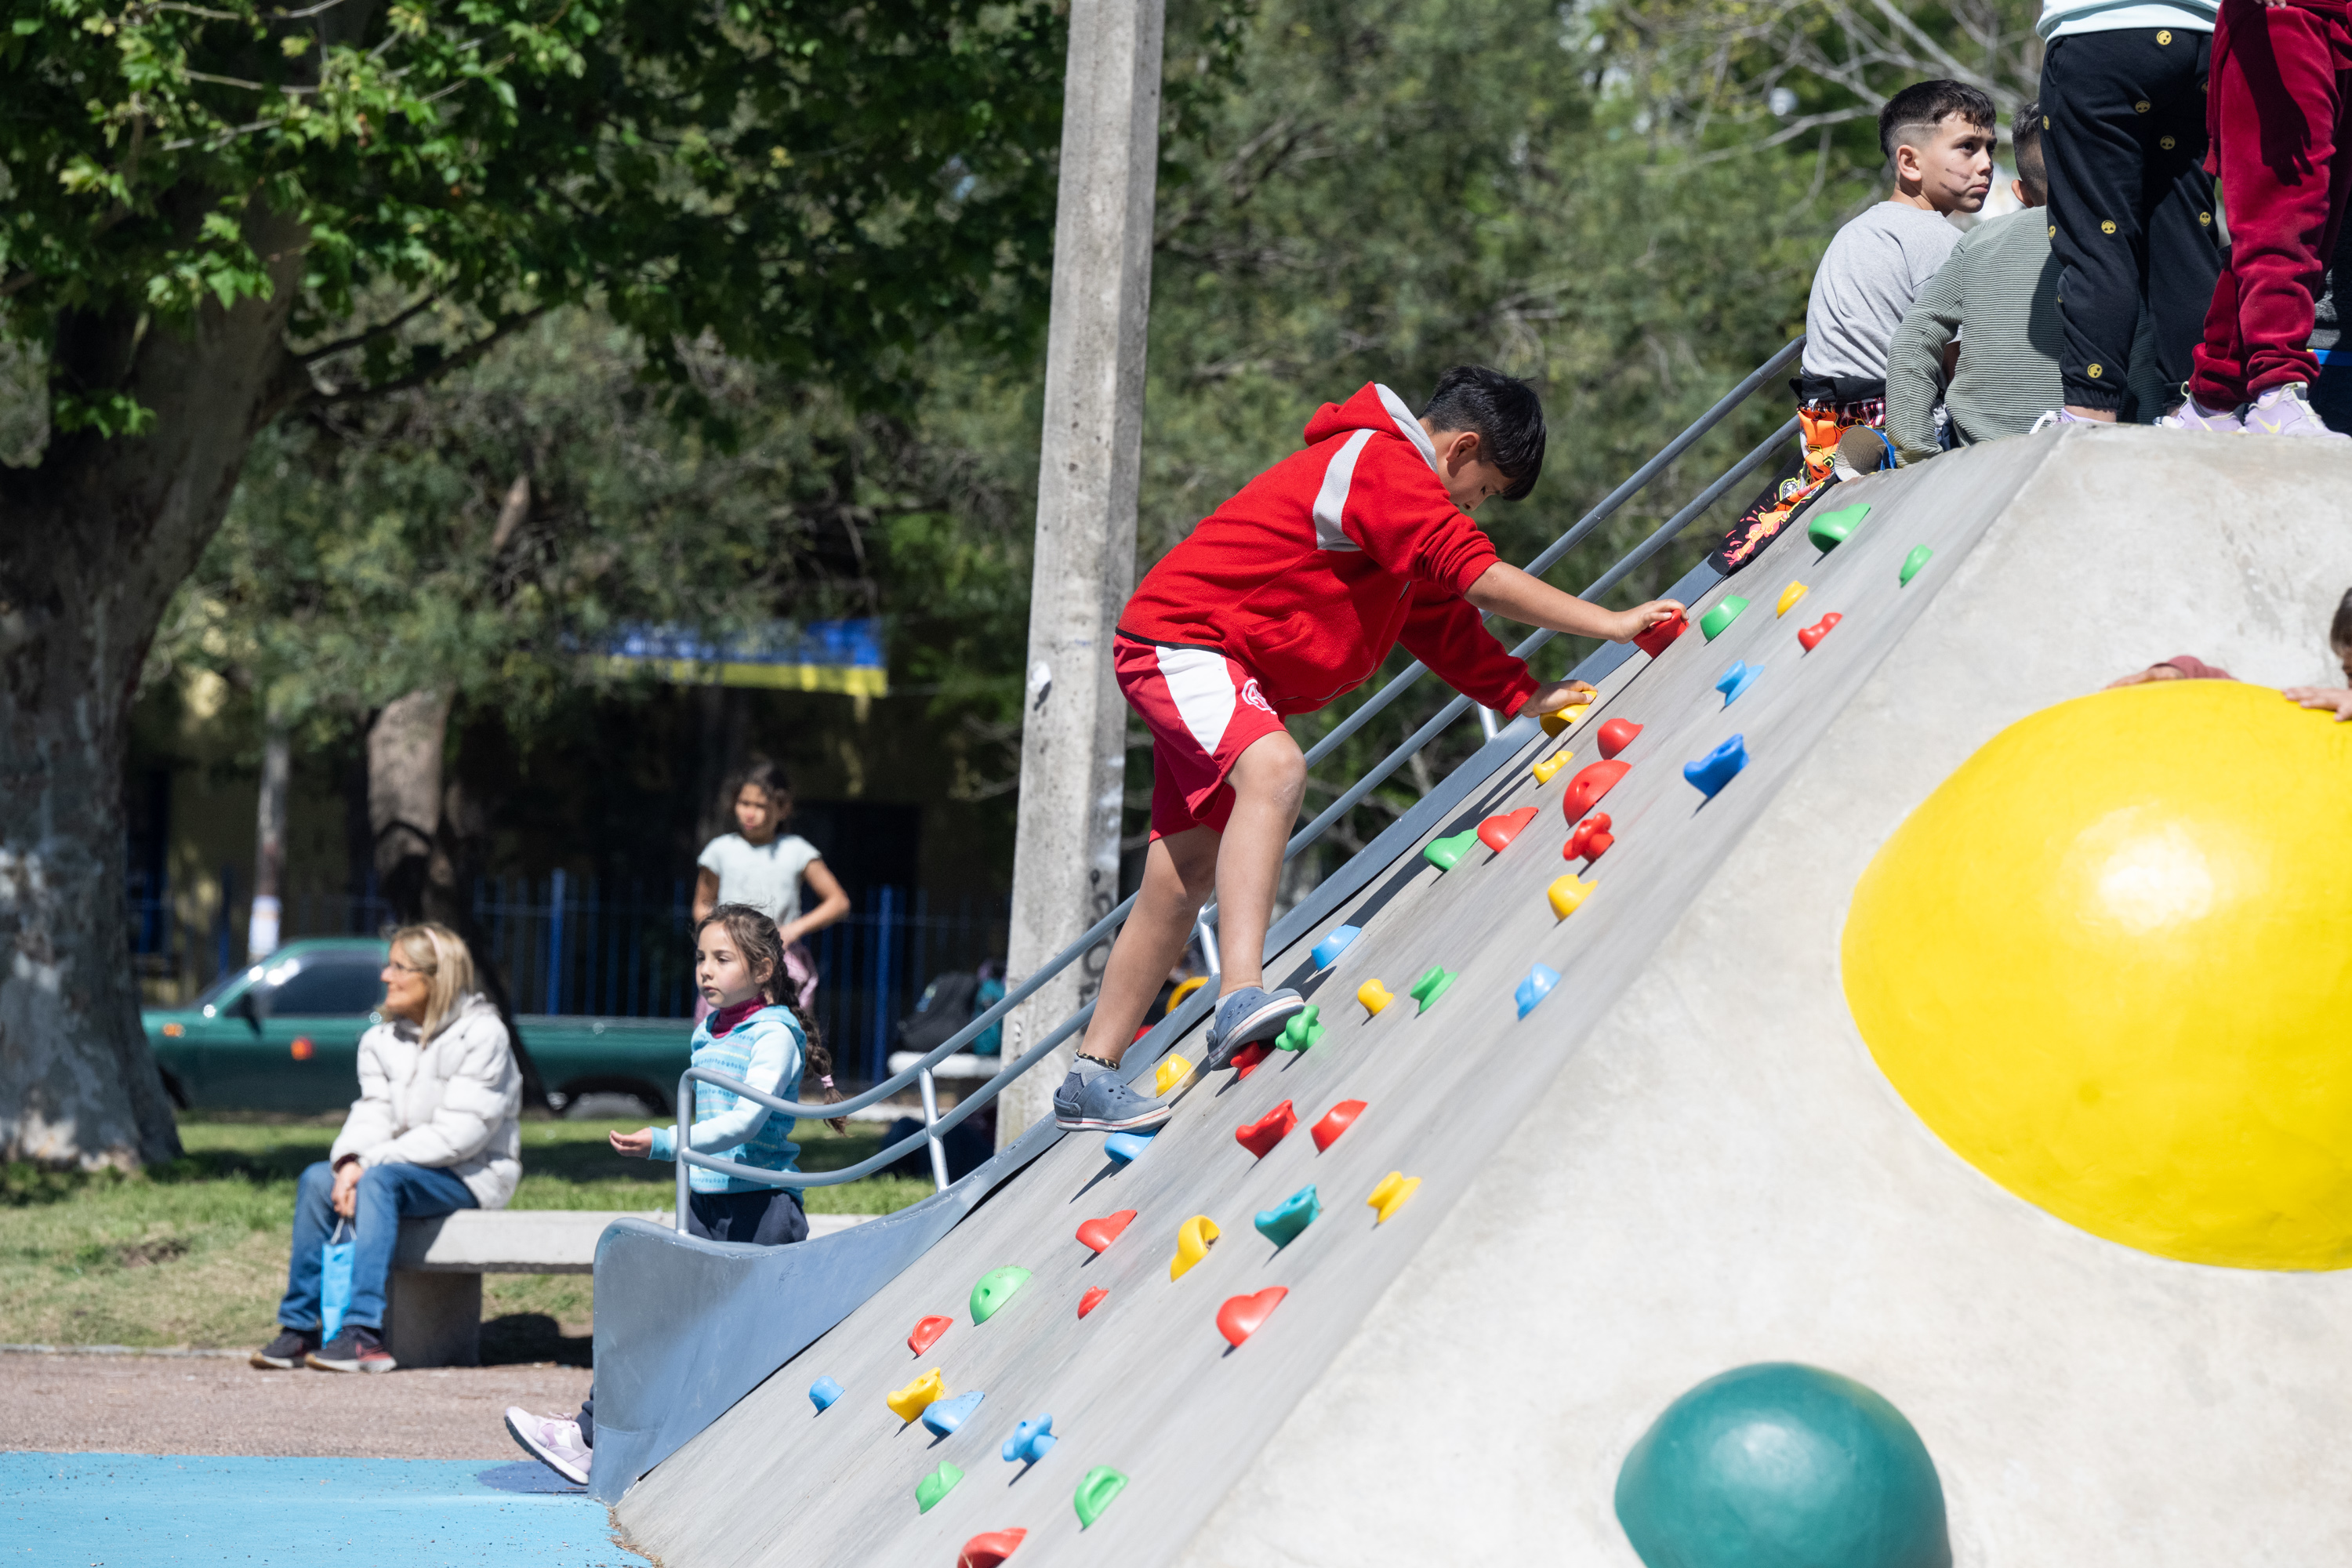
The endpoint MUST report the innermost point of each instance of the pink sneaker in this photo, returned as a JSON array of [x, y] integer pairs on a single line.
[[2194, 415], [553, 1441], [2285, 410]]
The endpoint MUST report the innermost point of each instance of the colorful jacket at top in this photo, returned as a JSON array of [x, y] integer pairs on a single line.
[[1325, 562], [763, 1049]]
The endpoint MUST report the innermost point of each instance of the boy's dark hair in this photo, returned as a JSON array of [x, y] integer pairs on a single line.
[[1911, 116], [1503, 412], [2339, 632], [763, 947], [2026, 151]]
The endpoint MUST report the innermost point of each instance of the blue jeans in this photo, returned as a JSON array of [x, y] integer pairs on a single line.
[[387, 1195]]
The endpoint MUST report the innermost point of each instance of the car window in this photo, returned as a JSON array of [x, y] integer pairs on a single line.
[[328, 986]]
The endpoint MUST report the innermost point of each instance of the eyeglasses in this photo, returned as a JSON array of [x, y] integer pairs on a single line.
[[405, 968]]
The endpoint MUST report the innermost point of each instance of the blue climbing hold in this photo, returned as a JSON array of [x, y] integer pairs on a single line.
[[1536, 987], [1030, 1441], [1327, 951], [944, 1415], [823, 1392], [1123, 1147], [1737, 680], [1715, 770], [1281, 1224]]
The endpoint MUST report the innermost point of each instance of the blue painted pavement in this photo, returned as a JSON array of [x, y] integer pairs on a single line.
[[151, 1511]]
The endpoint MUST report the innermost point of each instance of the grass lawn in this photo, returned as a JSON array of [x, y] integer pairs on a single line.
[[193, 1254]]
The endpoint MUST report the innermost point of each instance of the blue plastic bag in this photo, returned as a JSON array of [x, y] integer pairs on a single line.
[[335, 1277]]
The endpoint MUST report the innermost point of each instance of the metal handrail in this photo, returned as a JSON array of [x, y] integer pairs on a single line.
[[1199, 1002]]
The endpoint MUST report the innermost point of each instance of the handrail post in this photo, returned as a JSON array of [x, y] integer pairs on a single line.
[[1205, 930], [930, 1121], [684, 1105]]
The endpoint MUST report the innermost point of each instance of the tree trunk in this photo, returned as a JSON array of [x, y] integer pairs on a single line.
[[404, 748], [262, 926]]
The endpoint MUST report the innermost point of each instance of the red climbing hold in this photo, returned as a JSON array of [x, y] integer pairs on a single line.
[[987, 1551], [1586, 788], [1099, 1233], [1245, 1060], [1336, 1121], [926, 1334], [1496, 832], [1811, 636], [1616, 735], [1242, 1316], [1653, 641], [1590, 840], [1091, 1300], [1267, 1130]]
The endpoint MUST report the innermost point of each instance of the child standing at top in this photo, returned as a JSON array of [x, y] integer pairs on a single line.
[[1289, 595], [762, 866], [1938, 136]]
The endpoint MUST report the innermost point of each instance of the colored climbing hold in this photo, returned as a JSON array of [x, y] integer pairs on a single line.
[[1737, 680], [1242, 1316], [1301, 1030], [1920, 555], [1591, 838], [1123, 1147], [1557, 723], [1717, 768], [1374, 996], [1535, 988], [987, 1551], [1260, 1136], [1091, 1300], [926, 1334], [1585, 790], [1281, 1224], [1616, 735], [995, 1288], [910, 1402], [1193, 1240], [1811, 636], [1430, 986], [1172, 1071], [935, 1486], [1566, 893], [946, 1415], [1336, 1121], [1245, 1060], [1442, 853], [823, 1392], [1547, 766], [1496, 832], [1030, 1441], [1102, 1485], [1790, 595], [1097, 1235], [1713, 622], [1653, 641], [1327, 951], [1391, 1194], [1833, 529]]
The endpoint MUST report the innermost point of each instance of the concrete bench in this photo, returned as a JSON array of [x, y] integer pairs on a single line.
[[432, 1303]]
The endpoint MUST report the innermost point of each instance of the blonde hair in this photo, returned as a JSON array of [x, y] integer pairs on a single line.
[[440, 954]]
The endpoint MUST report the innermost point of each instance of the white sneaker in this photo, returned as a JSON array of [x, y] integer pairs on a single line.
[[2284, 410], [553, 1441]]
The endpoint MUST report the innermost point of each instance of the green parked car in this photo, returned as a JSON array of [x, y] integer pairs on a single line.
[[284, 1036]]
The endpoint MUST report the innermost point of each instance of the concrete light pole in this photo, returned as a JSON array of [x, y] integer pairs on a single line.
[[1073, 743]]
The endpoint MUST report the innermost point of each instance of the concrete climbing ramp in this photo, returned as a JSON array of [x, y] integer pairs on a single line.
[[1682, 1160]]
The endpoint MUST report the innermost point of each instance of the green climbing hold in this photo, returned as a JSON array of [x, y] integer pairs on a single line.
[[1787, 1464], [1833, 529], [1303, 1029], [995, 1288], [1918, 557], [935, 1486], [1723, 615], [1102, 1485], [1442, 853], [1430, 986]]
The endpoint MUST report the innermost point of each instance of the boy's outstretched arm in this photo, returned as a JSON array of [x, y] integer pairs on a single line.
[[1505, 590]]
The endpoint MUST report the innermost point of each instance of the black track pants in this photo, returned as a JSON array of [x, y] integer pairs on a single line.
[[2131, 207]]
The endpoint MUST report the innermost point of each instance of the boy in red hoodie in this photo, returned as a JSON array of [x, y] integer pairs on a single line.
[[1285, 597]]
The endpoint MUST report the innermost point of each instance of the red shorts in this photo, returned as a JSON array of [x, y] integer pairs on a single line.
[[1204, 710]]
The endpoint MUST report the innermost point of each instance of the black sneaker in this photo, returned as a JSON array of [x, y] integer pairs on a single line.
[[1249, 1015], [355, 1350], [285, 1352]]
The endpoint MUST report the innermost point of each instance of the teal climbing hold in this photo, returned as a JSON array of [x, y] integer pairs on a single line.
[[1723, 615], [1126, 1147], [1442, 853], [1430, 986], [995, 1288], [1301, 1030], [1782, 1464], [1920, 555], [1833, 529], [944, 1415], [1281, 1224], [1737, 680], [935, 1486]]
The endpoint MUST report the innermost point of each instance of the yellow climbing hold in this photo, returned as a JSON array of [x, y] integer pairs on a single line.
[[1193, 1243], [1554, 723], [1374, 995], [1183, 989], [916, 1396], [1550, 766], [1790, 595], [1566, 893], [1173, 1071], [1391, 1194]]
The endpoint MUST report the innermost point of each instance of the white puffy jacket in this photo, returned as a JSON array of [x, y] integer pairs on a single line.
[[453, 1103]]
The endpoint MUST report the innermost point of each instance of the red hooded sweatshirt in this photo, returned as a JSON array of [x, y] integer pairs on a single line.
[[1325, 562]]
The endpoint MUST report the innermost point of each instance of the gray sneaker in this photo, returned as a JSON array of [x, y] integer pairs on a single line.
[[1103, 1104], [1249, 1015]]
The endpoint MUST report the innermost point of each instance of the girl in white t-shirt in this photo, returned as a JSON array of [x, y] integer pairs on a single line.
[[764, 866]]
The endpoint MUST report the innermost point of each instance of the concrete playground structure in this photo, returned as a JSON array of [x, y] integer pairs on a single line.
[[1680, 1159]]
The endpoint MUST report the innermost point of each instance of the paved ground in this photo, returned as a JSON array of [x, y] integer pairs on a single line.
[[153, 1404]]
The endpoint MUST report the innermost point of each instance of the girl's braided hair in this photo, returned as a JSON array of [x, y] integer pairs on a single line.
[[756, 938]]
